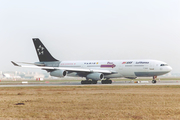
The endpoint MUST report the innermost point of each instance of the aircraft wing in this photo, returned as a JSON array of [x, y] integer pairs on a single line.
[[66, 68]]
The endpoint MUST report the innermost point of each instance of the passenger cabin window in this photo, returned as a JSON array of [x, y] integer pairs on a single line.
[[164, 65]]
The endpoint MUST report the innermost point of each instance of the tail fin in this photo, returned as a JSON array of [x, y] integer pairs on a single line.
[[42, 52]]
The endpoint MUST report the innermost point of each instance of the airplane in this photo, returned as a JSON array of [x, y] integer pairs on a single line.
[[95, 70]]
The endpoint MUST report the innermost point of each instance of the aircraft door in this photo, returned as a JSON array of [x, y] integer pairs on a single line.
[[84, 66], [146, 67], [151, 66], [120, 67]]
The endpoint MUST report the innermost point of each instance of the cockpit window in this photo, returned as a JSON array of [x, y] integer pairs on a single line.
[[164, 65]]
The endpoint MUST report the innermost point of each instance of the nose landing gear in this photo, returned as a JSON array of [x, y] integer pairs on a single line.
[[154, 79]]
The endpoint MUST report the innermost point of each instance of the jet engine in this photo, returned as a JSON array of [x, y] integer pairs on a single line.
[[58, 73], [95, 76]]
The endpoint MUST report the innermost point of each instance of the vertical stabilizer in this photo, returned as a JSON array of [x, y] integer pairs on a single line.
[[42, 52]]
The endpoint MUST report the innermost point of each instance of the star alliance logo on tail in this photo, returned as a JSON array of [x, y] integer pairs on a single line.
[[40, 50]]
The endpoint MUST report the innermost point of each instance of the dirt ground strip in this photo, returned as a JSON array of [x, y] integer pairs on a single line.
[[91, 102]]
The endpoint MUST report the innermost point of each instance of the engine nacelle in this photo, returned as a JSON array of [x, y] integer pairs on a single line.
[[95, 76], [58, 73]]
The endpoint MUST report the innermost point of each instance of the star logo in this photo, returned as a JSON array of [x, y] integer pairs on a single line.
[[40, 50]]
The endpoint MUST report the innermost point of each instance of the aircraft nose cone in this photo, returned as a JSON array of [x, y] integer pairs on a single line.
[[169, 69]]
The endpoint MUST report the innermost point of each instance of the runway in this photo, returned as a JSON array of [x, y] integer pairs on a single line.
[[115, 83]]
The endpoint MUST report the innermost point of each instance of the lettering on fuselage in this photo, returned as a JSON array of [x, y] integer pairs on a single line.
[[89, 63], [129, 62], [108, 65], [142, 62], [68, 63]]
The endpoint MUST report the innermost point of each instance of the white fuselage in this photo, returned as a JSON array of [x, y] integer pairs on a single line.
[[120, 68]]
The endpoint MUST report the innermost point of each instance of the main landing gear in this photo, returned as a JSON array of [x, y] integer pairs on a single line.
[[154, 79], [89, 82], [107, 81]]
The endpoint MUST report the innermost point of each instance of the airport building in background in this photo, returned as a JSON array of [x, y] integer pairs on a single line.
[[15, 75]]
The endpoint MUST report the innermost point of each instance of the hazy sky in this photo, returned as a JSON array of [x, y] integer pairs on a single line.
[[90, 30]]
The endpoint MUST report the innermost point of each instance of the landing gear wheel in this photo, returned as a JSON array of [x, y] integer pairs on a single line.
[[88, 82], [153, 81], [94, 81], [106, 81]]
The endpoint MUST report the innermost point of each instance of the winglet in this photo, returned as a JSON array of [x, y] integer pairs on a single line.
[[15, 64]]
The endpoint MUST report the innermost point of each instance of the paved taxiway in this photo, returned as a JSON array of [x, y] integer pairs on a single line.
[[165, 82]]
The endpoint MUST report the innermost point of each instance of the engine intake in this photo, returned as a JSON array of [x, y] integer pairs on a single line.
[[95, 76], [58, 73]]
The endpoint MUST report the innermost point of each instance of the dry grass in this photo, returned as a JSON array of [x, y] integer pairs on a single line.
[[91, 102]]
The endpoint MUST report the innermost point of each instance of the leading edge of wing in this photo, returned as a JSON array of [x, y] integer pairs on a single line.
[[64, 68], [83, 70]]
